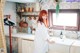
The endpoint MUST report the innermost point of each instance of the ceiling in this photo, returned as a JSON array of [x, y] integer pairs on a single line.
[[21, 1], [41, 1], [24, 1]]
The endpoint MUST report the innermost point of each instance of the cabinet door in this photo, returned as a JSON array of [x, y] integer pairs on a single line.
[[75, 49], [27, 46], [7, 45], [58, 48], [14, 45]]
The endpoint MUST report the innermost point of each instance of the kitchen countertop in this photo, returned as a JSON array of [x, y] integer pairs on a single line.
[[57, 40], [23, 35], [62, 41]]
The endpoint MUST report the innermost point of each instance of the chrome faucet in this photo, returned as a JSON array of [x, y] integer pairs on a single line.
[[61, 34]]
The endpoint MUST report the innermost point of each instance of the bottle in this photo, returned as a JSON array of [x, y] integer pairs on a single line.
[[33, 31], [29, 30]]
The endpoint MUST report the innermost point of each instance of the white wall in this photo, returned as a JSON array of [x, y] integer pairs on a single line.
[[10, 9]]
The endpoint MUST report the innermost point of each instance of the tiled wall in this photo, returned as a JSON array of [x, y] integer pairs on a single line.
[[63, 5], [68, 34]]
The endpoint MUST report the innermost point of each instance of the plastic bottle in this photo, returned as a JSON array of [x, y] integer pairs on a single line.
[[29, 30]]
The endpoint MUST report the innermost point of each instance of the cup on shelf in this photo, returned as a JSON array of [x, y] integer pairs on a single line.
[[26, 9]]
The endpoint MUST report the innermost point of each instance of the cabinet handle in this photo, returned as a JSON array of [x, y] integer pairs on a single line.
[[28, 39]]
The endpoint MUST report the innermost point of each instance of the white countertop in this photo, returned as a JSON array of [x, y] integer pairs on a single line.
[[57, 40], [76, 43], [62, 41], [23, 35]]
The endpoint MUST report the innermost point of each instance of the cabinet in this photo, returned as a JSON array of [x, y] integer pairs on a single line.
[[27, 46], [59, 48], [14, 44]]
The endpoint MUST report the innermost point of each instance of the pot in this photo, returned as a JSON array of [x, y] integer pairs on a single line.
[[23, 24]]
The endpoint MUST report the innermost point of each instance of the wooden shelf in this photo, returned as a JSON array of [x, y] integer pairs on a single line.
[[29, 15]]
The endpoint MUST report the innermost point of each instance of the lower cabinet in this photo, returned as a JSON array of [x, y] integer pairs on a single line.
[[27, 46], [59, 48], [14, 44]]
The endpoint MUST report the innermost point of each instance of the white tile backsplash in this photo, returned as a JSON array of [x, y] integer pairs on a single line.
[[74, 5], [64, 5], [68, 34], [71, 34], [56, 33]]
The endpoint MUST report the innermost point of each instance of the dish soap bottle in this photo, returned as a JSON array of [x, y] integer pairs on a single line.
[[29, 30]]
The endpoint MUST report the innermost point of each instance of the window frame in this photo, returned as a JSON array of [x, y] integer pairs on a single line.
[[71, 28]]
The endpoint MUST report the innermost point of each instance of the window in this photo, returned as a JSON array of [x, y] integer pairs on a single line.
[[67, 19]]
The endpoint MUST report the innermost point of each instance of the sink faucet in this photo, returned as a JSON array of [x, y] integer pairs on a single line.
[[61, 35]]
